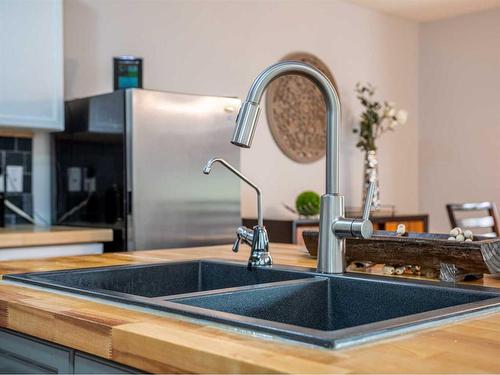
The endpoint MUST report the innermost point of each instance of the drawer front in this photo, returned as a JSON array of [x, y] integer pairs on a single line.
[[89, 365], [19, 354]]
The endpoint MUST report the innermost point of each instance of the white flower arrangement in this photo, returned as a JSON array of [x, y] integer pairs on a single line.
[[377, 118]]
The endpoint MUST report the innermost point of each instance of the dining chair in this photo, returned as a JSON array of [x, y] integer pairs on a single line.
[[489, 223]]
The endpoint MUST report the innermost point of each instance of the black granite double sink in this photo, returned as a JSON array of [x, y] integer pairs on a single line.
[[328, 310]]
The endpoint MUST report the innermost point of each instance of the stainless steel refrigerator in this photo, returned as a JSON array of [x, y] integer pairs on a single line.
[[132, 161]]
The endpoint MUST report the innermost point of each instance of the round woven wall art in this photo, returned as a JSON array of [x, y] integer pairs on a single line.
[[296, 112]]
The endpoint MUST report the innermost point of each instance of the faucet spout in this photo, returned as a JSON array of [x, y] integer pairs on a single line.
[[208, 168], [250, 109]]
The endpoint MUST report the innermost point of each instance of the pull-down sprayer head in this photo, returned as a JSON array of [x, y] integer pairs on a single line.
[[246, 123]]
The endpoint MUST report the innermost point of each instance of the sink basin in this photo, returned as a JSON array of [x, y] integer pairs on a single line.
[[336, 310], [157, 280], [328, 310]]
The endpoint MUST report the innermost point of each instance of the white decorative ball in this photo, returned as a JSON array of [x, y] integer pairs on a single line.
[[454, 232], [452, 238], [401, 229], [460, 238], [468, 234], [388, 270], [399, 270]]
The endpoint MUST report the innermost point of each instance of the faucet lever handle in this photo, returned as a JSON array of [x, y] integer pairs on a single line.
[[236, 244], [243, 234], [363, 227], [368, 200]]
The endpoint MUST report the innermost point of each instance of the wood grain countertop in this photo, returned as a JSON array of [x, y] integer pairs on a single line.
[[34, 235], [165, 343]]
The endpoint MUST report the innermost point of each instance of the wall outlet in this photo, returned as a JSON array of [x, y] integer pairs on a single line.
[[74, 179], [14, 179], [89, 184]]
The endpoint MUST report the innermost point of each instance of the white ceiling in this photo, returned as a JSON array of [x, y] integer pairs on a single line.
[[428, 10]]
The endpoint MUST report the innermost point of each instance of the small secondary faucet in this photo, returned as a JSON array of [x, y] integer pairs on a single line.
[[257, 237], [333, 226]]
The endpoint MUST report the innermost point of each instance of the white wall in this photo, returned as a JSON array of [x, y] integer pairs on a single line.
[[459, 113], [218, 47]]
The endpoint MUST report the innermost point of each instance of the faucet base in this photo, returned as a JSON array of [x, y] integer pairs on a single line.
[[260, 259], [259, 255], [331, 248]]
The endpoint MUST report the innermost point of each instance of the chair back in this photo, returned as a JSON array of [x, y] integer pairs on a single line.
[[488, 225]]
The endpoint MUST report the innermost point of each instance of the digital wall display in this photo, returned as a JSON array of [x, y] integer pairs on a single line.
[[127, 72]]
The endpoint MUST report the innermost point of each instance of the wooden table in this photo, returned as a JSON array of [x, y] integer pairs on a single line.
[[167, 343]]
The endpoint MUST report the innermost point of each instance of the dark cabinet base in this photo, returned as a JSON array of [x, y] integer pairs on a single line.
[[22, 354]]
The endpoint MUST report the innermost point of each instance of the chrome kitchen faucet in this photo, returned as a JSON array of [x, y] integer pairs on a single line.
[[257, 237], [333, 227]]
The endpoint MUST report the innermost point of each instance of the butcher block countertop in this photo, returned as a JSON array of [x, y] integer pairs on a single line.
[[33, 235], [156, 343]]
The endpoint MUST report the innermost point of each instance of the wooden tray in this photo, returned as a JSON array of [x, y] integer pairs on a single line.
[[428, 250]]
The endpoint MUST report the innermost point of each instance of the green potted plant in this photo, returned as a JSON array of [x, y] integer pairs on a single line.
[[307, 204]]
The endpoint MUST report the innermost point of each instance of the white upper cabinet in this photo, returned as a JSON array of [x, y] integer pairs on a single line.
[[31, 64]]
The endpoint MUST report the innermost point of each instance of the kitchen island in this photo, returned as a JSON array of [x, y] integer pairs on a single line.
[[159, 342], [36, 241]]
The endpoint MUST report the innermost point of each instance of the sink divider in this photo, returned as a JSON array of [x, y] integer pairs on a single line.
[[173, 297]]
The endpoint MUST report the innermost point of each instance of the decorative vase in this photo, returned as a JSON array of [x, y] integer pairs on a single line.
[[371, 175]]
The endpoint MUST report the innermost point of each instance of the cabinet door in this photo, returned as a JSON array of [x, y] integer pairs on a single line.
[[31, 64], [89, 365], [10, 364], [20, 354]]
